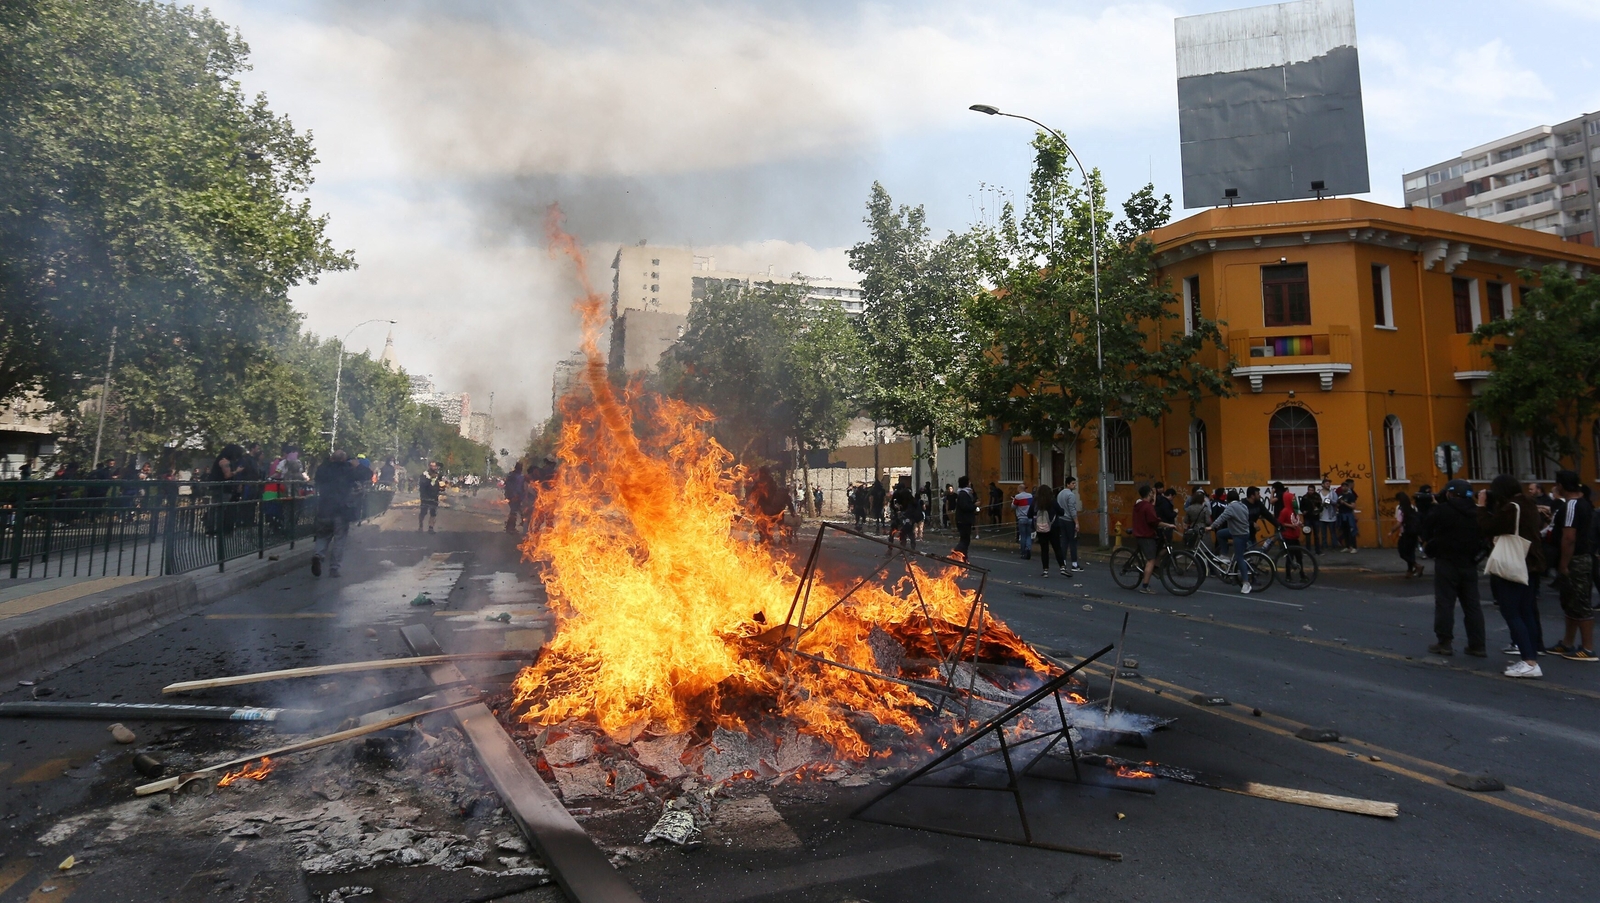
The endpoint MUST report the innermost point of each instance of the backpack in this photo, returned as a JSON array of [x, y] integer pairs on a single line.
[[1042, 520]]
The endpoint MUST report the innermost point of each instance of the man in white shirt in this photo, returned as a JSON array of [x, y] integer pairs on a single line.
[[1021, 504], [1328, 520], [1067, 535]]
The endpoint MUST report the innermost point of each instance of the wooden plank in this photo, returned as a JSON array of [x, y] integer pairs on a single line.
[[1375, 808], [582, 870], [343, 668]]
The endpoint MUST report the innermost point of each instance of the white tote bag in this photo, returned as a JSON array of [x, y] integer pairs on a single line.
[[1509, 560]]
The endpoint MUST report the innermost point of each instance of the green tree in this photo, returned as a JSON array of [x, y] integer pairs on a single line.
[[1546, 380], [143, 191], [1042, 373], [920, 355]]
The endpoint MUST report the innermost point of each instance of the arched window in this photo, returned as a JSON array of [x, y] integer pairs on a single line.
[[1199, 470], [1293, 446], [1119, 449], [1394, 449]]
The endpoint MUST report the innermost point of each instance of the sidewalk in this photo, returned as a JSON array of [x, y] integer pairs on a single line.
[[50, 623]]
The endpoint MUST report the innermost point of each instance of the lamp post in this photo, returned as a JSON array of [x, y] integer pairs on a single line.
[[338, 377], [1099, 350]]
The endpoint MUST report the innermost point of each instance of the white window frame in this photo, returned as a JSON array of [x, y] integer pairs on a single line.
[[1394, 450], [1191, 291], [1113, 449], [1388, 299], [1475, 296]]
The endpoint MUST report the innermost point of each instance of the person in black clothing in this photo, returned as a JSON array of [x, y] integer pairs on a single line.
[[1260, 512], [429, 487], [1044, 512], [336, 485], [906, 506], [1454, 541], [1311, 513], [1166, 508], [1407, 524], [877, 495], [964, 510], [1573, 531], [1348, 531], [1424, 502], [997, 499]]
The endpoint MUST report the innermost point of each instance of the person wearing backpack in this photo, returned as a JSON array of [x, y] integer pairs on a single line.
[[1044, 514]]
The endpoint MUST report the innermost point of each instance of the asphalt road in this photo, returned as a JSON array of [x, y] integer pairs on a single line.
[[1348, 654]]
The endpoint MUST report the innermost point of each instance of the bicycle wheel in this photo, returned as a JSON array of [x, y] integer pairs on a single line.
[[1299, 567], [1182, 572], [1127, 568], [1262, 571]]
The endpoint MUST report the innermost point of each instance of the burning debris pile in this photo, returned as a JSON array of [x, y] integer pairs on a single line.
[[686, 653]]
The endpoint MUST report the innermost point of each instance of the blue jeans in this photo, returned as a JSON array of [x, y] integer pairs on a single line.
[[1519, 605], [1025, 535], [1240, 545]]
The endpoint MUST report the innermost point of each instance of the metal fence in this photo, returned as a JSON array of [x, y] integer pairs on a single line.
[[59, 528]]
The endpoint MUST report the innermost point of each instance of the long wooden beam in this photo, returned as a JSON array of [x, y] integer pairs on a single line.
[[344, 668]]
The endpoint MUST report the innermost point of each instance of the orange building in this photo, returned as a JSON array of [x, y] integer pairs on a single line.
[[1346, 326]]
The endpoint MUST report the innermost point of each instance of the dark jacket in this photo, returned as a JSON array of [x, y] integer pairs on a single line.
[[1505, 519], [1453, 532], [336, 488], [965, 505]]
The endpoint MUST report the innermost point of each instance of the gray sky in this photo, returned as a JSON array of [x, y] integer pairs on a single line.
[[754, 131]]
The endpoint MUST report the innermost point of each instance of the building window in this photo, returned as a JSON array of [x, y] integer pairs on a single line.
[[1199, 471], [1119, 449], [1191, 303], [655, 261], [1013, 469], [1465, 294], [1416, 183], [1382, 299], [1477, 467], [1293, 446], [1499, 301], [1435, 177], [1286, 295], [1394, 449]]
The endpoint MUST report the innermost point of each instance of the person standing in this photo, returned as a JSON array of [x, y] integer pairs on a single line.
[[336, 481], [1506, 510], [1067, 535], [1147, 527], [906, 505], [1196, 517], [1424, 502], [997, 500], [965, 512], [1234, 527], [1347, 515], [1290, 525], [1045, 514], [386, 473], [1454, 540], [1573, 533], [1406, 524], [1311, 511], [816, 500], [1327, 515], [429, 487], [515, 486], [1022, 507], [877, 495]]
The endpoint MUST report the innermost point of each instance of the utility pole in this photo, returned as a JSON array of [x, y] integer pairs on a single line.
[[105, 387], [488, 456]]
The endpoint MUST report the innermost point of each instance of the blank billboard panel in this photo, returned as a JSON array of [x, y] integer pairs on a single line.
[[1269, 101]]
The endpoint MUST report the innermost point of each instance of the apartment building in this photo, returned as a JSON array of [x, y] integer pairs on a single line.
[[1346, 331], [1544, 178]]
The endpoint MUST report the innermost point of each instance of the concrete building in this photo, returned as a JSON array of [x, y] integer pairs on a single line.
[[454, 409], [654, 287], [481, 428], [28, 430], [1546, 179], [1346, 328], [568, 377]]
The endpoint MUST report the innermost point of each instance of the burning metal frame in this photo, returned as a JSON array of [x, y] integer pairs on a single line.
[[795, 627], [996, 725]]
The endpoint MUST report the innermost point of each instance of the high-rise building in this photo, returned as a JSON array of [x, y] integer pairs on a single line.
[[1546, 178], [454, 408], [569, 376], [481, 429]]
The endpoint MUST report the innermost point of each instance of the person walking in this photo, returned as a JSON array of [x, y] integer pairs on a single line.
[[1233, 528], [1454, 540], [1505, 510], [1067, 532], [429, 487], [1572, 531], [1407, 523], [964, 505], [1147, 527], [877, 495], [516, 484], [1022, 507], [907, 504], [1045, 514], [337, 484]]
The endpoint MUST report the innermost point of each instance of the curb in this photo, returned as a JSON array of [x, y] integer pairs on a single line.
[[53, 638]]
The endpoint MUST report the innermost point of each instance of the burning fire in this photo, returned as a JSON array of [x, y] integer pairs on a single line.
[[1124, 771], [662, 608], [253, 772]]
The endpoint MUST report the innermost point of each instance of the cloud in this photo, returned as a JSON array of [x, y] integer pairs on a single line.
[[1426, 86]]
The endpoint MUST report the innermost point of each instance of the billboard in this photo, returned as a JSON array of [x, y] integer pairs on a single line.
[[1269, 101]]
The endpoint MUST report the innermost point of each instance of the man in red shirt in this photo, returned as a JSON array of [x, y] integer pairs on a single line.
[[1147, 525]]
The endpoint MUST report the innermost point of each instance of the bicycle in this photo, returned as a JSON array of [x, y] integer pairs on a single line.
[[1262, 570], [1298, 563], [1177, 568]]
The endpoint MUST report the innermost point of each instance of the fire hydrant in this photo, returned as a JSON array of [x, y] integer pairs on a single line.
[[1116, 530]]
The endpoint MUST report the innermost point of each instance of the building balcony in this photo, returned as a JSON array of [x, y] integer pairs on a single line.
[[1471, 362], [1290, 350]]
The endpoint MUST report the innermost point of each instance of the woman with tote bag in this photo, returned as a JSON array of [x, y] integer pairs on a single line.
[[1512, 519]]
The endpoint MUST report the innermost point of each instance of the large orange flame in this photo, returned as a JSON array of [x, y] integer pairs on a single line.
[[661, 602]]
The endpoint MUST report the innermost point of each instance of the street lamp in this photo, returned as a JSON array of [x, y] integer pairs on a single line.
[[338, 376], [1099, 351]]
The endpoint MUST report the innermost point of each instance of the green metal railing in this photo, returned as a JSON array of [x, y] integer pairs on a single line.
[[58, 528]]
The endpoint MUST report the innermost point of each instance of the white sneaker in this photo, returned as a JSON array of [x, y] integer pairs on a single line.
[[1523, 669], [1244, 588]]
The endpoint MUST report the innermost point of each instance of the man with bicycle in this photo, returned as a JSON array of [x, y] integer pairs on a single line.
[[1147, 527], [1235, 525]]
